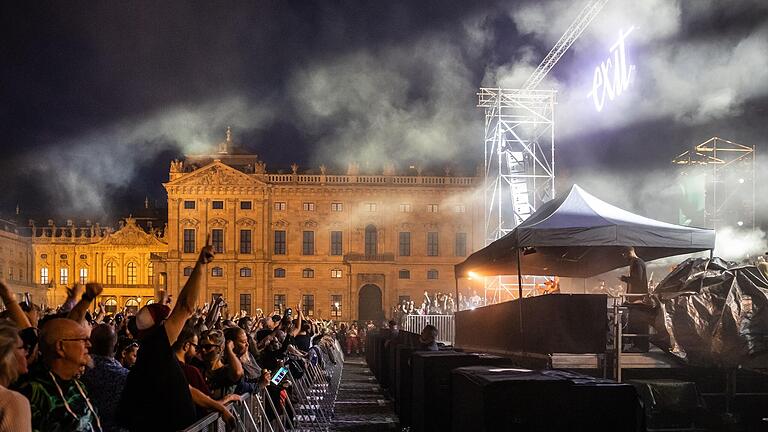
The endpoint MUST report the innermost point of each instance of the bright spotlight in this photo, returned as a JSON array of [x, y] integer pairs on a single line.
[[741, 180], [472, 275], [739, 223]]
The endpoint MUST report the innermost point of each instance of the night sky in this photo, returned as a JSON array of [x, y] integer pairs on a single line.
[[98, 97]]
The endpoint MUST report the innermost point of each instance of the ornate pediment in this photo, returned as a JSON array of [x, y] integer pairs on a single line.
[[281, 223], [130, 235], [217, 222], [407, 226], [431, 226], [246, 222], [215, 174], [309, 224], [187, 222]]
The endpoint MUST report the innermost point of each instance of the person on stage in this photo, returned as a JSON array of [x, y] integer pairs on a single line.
[[637, 283]]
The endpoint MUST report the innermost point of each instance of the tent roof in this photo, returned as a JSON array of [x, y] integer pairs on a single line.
[[578, 235]]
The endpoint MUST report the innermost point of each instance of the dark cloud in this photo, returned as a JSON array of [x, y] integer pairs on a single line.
[[97, 97]]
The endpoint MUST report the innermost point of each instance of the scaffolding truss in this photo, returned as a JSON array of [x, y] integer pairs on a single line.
[[730, 181], [519, 171]]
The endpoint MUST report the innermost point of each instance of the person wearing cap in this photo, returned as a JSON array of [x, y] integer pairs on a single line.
[[221, 366], [157, 382]]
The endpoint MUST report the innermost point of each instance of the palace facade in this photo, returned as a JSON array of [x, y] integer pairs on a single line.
[[347, 246]]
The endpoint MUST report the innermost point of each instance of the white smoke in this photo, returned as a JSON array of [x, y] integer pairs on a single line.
[[738, 245], [85, 170]]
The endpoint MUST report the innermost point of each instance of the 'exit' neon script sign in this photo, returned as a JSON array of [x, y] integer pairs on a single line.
[[614, 74]]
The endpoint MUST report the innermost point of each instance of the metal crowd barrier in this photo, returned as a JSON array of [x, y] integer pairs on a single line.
[[445, 326], [309, 407]]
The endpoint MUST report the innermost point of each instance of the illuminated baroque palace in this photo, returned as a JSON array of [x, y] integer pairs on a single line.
[[347, 246]]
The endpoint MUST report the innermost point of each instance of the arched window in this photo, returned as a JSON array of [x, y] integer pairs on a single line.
[[111, 273], [432, 274], [307, 273], [245, 272], [110, 305], [151, 273], [370, 240], [44, 276], [151, 301], [131, 273], [131, 305], [217, 272], [279, 272]]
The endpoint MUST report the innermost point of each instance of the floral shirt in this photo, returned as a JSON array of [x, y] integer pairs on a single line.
[[58, 405]]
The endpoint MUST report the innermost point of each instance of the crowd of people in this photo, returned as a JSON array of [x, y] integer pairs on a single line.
[[438, 303], [160, 369]]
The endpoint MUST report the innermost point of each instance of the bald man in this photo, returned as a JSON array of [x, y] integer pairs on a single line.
[[58, 399]]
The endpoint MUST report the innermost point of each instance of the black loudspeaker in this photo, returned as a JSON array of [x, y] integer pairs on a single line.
[[404, 383], [431, 385], [487, 398], [669, 403]]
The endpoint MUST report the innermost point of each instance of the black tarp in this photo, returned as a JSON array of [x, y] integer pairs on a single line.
[[711, 312]]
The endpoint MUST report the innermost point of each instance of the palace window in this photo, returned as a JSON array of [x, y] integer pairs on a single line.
[[245, 241], [279, 242], [405, 208], [404, 243], [432, 274], [189, 205], [279, 303], [83, 256], [63, 256], [245, 303], [189, 240], [246, 205], [279, 272], [371, 207], [307, 273], [431, 208], [370, 240], [432, 244], [460, 208], [110, 306], [217, 272], [461, 244], [245, 272], [187, 271], [217, 205], [404, 274], [280, 206], [64, 276], [43, 256], [336, 273], [151, 273], [308, 243], [308, 206], [336, 306], [308, 305], [111, 273], [44, 276], [336, 243], [83, 275], [131, 273], [132, 306], [337, 207], [217, 240]]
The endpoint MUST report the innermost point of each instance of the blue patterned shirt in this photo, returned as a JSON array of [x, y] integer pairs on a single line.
[[105, 382]]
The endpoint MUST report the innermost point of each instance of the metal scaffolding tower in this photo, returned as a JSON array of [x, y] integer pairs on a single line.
[[728, 170], [520, 151]]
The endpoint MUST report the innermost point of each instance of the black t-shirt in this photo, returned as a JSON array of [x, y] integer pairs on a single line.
[[261, 334], [302, 342], [156, 395], [638, 278]]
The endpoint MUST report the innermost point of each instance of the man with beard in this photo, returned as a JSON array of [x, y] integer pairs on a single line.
[[58, 399]]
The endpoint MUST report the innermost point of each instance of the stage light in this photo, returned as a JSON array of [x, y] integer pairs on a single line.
[[739, 223], [741, 180], [472, 275]]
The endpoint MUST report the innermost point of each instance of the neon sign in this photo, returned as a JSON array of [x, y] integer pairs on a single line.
[[614, 75]]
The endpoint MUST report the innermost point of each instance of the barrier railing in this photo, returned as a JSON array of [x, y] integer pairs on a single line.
[[308, 407], [445, 325]]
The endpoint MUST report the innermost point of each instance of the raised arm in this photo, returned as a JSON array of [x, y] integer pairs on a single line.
[[9, 300], [235, 365], [92, 290], [185, 303]]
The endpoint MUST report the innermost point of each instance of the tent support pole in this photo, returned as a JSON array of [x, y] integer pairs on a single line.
[[457, 304], [711, 253], [520, 300]]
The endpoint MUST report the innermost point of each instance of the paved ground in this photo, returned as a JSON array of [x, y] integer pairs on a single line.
[[361, 404]]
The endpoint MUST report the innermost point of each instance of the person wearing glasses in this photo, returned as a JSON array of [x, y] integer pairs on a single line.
[[57, 398]]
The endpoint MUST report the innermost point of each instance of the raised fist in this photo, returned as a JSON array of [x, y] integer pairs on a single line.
[[93, 290]]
